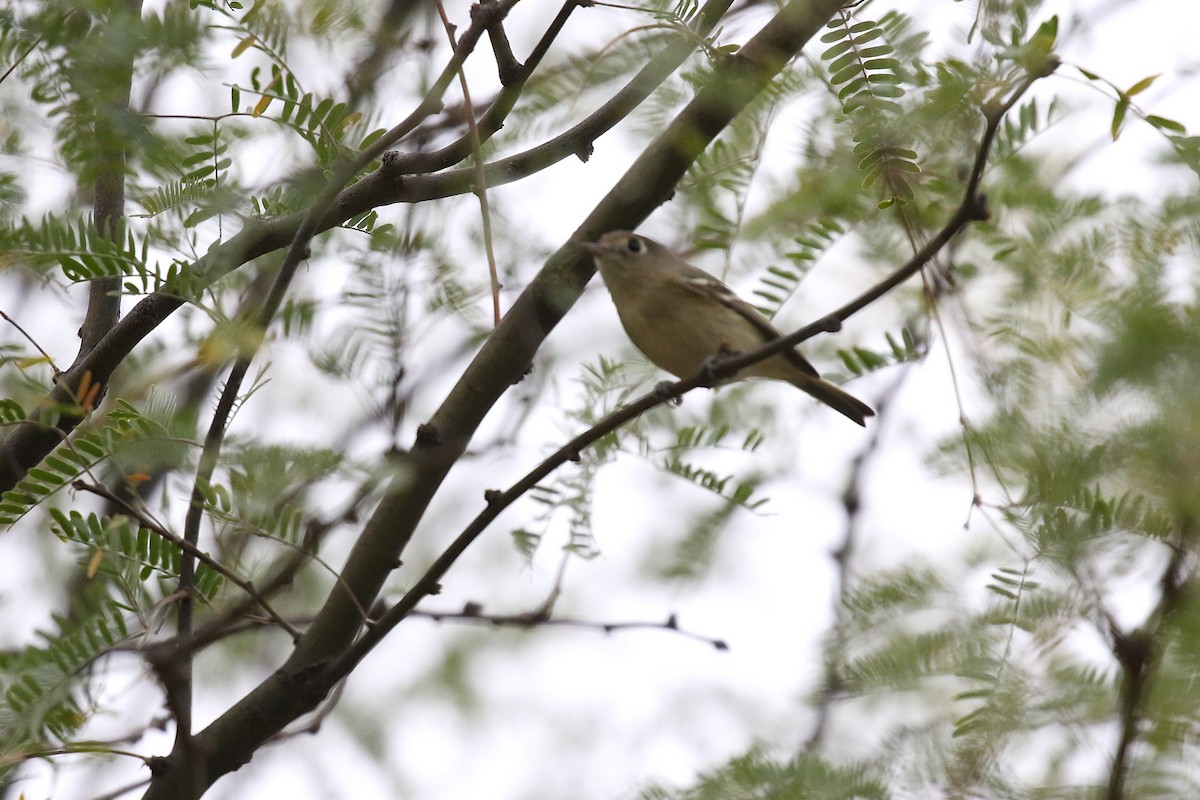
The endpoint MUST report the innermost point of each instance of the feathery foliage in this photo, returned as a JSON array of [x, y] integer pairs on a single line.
[[243, 483]]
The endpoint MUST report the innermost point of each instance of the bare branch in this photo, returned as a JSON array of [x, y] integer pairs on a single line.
[[1138, 653], [474, 613], [149, 523], [505, 356], [969, 210]]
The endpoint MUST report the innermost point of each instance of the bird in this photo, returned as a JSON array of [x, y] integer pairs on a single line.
[[680, 317]]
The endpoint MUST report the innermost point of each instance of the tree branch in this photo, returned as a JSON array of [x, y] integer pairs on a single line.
[[27, 444], [506, 356], [149, 523], [111, 142], [1139, 654], [473, 613], [301, 683], [971, 208]]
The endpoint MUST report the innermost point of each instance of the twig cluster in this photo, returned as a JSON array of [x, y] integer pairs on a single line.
[[342, 633]]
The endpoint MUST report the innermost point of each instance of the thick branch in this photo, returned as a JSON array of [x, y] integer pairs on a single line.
[[306, 678], [971, 208], [111, 142], [506, 356], [27, 444]]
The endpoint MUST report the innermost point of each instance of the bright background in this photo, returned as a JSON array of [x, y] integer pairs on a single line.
[[451, 710]]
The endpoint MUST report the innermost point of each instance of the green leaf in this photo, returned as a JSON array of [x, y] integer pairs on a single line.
[[1141, 86], [1162, 123], [245, 44], [1119, 117], [199, 215]]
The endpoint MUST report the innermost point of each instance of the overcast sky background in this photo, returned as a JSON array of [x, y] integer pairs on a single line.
[[564, 713]]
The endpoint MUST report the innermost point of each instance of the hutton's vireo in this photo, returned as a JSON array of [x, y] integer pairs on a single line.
[[680, 317]]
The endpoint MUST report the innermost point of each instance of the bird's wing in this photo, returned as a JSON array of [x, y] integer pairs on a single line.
[[713, 288]]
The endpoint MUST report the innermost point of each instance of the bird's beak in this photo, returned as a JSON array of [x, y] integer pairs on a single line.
[[592, 248]]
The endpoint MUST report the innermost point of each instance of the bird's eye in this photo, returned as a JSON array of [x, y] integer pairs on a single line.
[[634, 245]]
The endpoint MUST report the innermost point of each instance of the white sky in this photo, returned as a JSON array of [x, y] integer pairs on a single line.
[[577, 714]]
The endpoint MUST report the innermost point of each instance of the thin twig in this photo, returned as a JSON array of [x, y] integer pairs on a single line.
[[146, 521], [32, 341], [538, 619], [1139, 653], [972, 208], [480, 188], [833, 681], [221, 626], [297, 252]]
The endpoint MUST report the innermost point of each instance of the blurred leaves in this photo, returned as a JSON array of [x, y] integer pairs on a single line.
[[1069, 319]]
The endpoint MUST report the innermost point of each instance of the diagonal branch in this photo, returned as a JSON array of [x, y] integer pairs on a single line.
[[27, 444], [149, 523], [971, 208], [307, 677], [507, 354]]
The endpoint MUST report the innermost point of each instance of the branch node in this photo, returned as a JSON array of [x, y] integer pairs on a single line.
[[427, 435], [979, 211], [830, 323], [509, 69], [486, 13]]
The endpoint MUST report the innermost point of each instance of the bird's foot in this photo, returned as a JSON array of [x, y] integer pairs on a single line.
[[663, 390]]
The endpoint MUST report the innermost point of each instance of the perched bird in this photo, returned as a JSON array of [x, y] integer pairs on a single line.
[[680, 317]]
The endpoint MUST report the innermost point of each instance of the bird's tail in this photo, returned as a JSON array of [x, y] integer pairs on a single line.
[[836, 398]]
